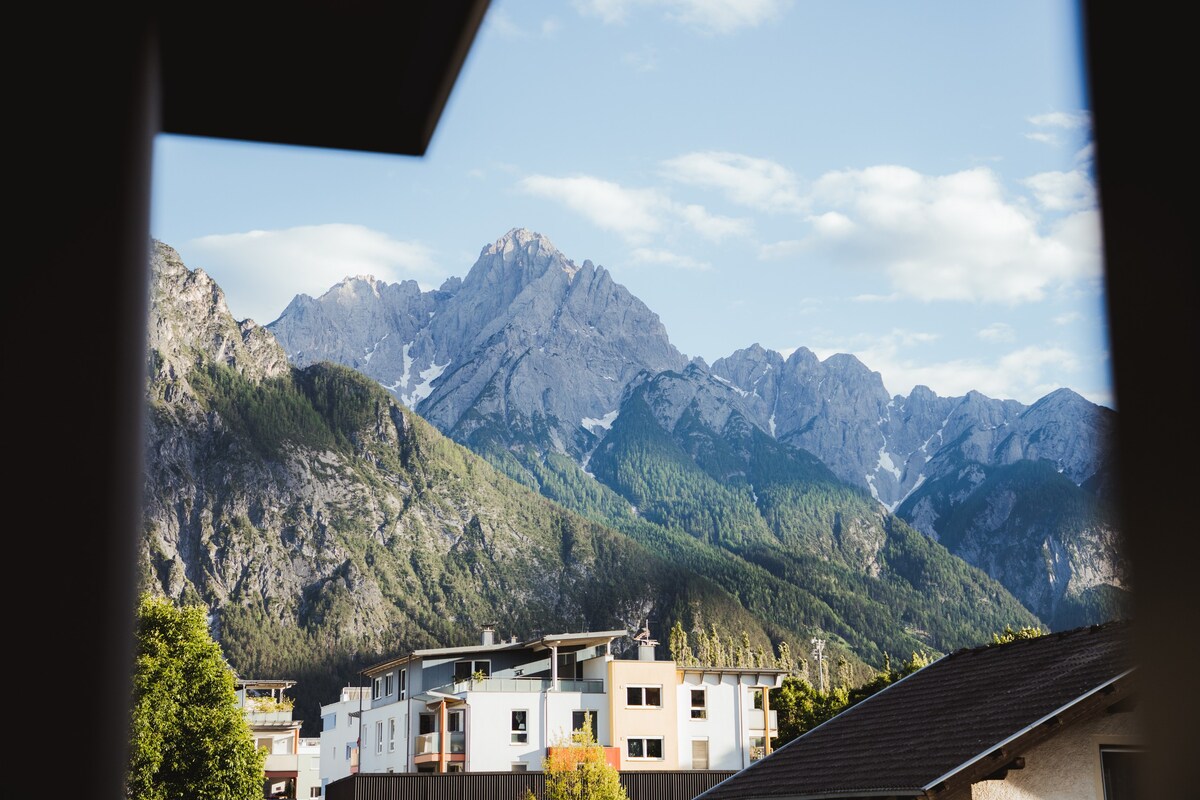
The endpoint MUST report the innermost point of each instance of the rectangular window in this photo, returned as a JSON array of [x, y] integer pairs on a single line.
[[403, 683], [645, 747], [520, 766], [758, 747], [463, 670], [392, 735], [591, 717], [377, 688], [454, 722], [379, 737], [699, 753], [314, 791], [520, 731], [349, 751], [699, 709], [387, 685], [1120, 770], [644, 696], [427, 723]]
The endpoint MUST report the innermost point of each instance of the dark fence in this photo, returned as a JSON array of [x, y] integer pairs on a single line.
[[672, 785]]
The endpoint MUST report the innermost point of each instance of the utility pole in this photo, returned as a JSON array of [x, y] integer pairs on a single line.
[[819, 655]]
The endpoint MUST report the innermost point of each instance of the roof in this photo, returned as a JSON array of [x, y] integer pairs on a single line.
[[372, 75], [536, 644], [949, 724]]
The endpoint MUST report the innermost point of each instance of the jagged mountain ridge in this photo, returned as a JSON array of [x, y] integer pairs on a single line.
[[492, 391], [324, 525]]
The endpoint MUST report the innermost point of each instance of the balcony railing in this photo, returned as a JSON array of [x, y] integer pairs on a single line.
[[526, 685], [428, 744], [755, 719]]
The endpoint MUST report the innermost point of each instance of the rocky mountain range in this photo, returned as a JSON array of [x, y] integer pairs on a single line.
[[325, 525], [531, 360]]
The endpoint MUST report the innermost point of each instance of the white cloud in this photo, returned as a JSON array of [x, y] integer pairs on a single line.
[[1062, 191], [647, 255], [1067, 318], [1044, 138], [725, 16], [506, 27], [1061, 119], [634, 214], [706, 16], [1026, 374], [262, 271], [951, 237], [997, 332], [609, 11], [753, 182]]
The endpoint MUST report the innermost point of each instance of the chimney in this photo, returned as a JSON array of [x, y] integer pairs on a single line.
[[646, 645], [489, 635]]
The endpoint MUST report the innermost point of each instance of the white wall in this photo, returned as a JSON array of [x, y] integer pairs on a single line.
[[1066, 767], [726, 701], [489, 725], [333, 761]]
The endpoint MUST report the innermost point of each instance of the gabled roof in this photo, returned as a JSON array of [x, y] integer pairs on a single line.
[[954, 722]]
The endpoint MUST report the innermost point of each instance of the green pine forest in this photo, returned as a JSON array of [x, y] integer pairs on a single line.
[[423, 542]]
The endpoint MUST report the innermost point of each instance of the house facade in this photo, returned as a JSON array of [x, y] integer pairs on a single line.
[[499, 705], [293, 764], [339, 734]]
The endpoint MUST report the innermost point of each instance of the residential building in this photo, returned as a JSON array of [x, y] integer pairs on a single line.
[[1049, 717], [293, 764], [339, 735], [499, 705]]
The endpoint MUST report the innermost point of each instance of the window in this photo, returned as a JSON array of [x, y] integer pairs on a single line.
[[392, 735], [314, 791], [699, 708], [377, 688], [387, 684], [454, 722], [645, 747], [520, 732], [591, 716], [379, 737], [699, 753], [463, 670], [328, 722], [1120, 772], [643, 696], [758, 747], [427, 723], [349, 751], [520, 766], [403, 683]]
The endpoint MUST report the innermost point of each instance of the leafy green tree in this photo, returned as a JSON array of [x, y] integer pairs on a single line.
[[1011, 635], [188, 737], [576, 769]]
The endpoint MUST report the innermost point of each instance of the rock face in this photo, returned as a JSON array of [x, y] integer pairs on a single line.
[[529, 348], [531, 353], [324, 525]]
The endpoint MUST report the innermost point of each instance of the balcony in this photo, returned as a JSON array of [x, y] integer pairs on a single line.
[[526, 685], [754, 720], [429, 744]]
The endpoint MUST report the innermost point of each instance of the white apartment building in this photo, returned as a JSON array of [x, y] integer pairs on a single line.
[[499, 705], [293, 763], [339, 735]]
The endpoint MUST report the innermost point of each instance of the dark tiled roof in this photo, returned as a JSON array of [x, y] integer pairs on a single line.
[[932, 723]]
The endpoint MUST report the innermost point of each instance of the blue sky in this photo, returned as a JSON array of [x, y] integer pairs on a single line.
[[908, 182]]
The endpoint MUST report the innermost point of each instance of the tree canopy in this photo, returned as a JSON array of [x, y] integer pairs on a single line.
[[576, 769], [188, 737]]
